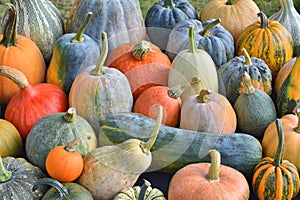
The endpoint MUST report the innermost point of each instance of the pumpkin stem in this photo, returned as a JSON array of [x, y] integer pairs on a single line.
[[214, 169], [204, 97], [147, 146], [71, 146], [10, 28], [192, 44], [4, 174], [206, 31], [15, 75], [176, 91], [78, 37], [169, 4], [264, 21], [99, 67], [287, 5], [297, 112], [62, 190], [247, 57], [280, 148], [144, 188], [70, 115], [246, 85], [140, 50]]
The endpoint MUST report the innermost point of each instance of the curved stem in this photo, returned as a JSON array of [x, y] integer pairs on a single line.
[[192, 44], [204, 96], [71, 146], [169, 4], [264, 21], [99, 67], [62, 191], [10, 28], [141, 49], [4, 174], [214, 169], [70, 115], [15, 75], [246, 85], [147, 146], [247, 57], [206, 31], [176, 91], [280, 148], [143, 191], [78, 37]]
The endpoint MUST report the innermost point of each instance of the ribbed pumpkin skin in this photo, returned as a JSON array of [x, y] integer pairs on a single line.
[[290, 19], [40, 21], [24, 177], [218, 43], [69, 59], [161, 18], [267, 40], [53, 130], [10, 140], [121, 20]]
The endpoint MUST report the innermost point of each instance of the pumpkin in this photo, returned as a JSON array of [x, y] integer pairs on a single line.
[[17, 179], [69, 190], [235, 15], [268, 40], [210, 36], [71, 53], [58, 129], [162, 16], [121, 20], [145, 192], [273, 177], [202, 113], [143, 64], [289, 92], [289, 17], [208, 181], [31, 102], [231, 73], [99, 91], [117, 166], [193, 63], [291, 130], [19, 53], [40, 21], [254, 108], [64, 163], [174, 147], [10, 140]]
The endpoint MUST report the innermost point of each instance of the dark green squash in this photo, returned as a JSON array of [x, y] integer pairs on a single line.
[[17, 177], [55, 130], [175, 148], [67, 191], [71, 53], [162, 16], [210, 36]]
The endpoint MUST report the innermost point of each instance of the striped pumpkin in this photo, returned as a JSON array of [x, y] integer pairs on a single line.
[[40, 21], [276, 178], [268, 40]]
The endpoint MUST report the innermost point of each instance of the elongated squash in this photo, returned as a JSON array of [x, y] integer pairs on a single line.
[[175, 148]]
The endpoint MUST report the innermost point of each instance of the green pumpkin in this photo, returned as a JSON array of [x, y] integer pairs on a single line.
[[210, 36], [121, 20], [71, 53], [17, 177], [55, 130], [67, 191], [162, 16]]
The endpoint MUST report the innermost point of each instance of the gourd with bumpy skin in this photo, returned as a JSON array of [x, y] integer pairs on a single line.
[[109, 169]]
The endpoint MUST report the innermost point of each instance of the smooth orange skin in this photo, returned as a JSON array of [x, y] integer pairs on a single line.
[[63, 165]]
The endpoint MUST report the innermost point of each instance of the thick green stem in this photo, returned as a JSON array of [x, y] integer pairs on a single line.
[[70, 115], [99, 66], [147, 146], [78, 37], [280, 148], [192, 44], [176, 91], [62, 191], [247, 57], [143, 191], [140, 50], [4, 174], [204, 96], [169, 4], [206, 31], [264, 21], [15, 75], [214, 169], [10, 28]]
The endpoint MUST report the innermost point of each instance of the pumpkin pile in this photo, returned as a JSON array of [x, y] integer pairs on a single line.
[[91, 105]]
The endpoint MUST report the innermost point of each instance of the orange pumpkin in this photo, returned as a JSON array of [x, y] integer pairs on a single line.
[[143, 64], [203, 181], [21, 53]]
